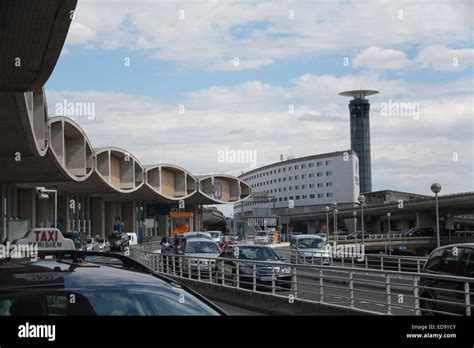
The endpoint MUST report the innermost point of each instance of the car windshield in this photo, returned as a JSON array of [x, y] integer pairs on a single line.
[[306, 243], [201, 247], [215, 234], [145, 300], [99, 240], [253, 253], [114, 237], [262, 234]]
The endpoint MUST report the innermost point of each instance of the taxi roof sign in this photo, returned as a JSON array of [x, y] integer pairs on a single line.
[[46, 239]]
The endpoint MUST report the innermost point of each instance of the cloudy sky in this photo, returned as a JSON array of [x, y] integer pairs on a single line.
[[179, 82]]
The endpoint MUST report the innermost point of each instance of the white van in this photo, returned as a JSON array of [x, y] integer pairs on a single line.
[[132, 238]]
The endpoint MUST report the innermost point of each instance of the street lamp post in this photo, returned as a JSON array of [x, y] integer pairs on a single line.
[[334, 206], [354, 214], [436, 188], [327, 221], [362, 201], [389, 234]]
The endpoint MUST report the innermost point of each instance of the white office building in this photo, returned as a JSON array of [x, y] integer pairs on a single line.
[[305, 181]]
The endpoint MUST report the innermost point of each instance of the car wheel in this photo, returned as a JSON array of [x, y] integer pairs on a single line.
[[427, 305]]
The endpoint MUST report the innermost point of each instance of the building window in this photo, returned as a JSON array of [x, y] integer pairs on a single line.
[[289, 168], [279, 190], [290, 178], [303, 166], [284, 170], [280, 199], [319, 164], [279, 170], [284, 188], [297, 197], [296, 167], [303, 176], [311, 185], [328, 173], [311, 165], [297, 187], [279, 180], [320, 174], [291, 197], [311, 196], [329, 184], [290, 188], [303, 186], [304, 197], [286, 198], [329, 194], [311, 175], [297, 177], [328, 162], [284, 179], [320, 184], [320, 195]]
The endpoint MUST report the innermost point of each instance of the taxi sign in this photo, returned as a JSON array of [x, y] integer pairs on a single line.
[[46, 239]]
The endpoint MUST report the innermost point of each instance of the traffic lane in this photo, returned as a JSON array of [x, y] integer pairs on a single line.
[[366, 297]]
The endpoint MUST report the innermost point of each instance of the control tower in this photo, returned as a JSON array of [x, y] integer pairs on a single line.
[[359, 108]]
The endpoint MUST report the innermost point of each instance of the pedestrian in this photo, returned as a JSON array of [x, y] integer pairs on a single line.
[[165, 251]]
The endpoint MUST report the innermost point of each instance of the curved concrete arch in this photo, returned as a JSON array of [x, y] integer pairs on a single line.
[[219, 189], [119, 169], [171, 181], [33, 35], [23, 125], [71, 146]]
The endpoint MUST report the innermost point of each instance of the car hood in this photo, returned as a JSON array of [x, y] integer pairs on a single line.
[[313, 250]]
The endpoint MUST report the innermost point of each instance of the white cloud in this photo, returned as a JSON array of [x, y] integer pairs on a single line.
[[413, 149], [205, 39], [442, 58], [377, 58]]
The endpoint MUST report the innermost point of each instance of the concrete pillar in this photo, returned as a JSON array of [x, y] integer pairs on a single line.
[[311, 228], [375, 224], [163, 229], [425, 220], [27, 206], [129, 216], [98, 216]]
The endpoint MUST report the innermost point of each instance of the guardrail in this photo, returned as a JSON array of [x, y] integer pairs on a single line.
[[399, 263], [368, 236], [368, 290]]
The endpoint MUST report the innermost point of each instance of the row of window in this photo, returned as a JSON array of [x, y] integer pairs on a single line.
[[285, 199], [290, 178], [297, 187], [290, 168]]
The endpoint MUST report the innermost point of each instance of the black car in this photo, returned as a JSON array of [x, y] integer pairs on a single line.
[[447, 295], [420, 232], [101, 284], [118, 241], [265, 273]]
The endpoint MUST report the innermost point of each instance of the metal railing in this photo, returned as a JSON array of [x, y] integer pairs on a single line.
[[399, 263], [367, 290]]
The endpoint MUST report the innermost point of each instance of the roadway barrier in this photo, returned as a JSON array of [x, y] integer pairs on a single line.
[[365, 290]]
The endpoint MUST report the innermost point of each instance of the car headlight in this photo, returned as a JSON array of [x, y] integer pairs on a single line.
[[286, 270]]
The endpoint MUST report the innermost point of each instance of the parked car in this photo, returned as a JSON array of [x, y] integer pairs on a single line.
[[309, 248], [216, 236], [447, 295], [118, 241], [200, 256], [102, 245], [133, 239], [263, 237], [226, 268], [91, 244], [420, 232]]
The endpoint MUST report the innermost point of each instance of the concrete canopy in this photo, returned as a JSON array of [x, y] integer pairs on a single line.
[[32, 37], [219, 189]]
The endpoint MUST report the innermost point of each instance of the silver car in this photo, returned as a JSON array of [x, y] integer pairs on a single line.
[[310, 248], [200, 256]]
